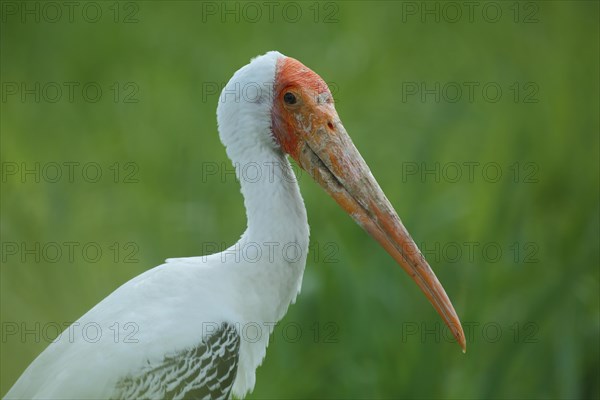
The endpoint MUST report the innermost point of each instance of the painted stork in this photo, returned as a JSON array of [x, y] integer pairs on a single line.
[[174, 330]]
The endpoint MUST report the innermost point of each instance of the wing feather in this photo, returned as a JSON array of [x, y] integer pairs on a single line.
[[206, 371]]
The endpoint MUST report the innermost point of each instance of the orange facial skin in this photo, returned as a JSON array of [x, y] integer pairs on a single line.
[[314, 104]]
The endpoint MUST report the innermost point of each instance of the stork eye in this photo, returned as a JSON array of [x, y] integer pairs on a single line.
[[289, 98]]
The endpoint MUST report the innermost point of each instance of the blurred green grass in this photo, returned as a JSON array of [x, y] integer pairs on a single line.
[[368, 55]]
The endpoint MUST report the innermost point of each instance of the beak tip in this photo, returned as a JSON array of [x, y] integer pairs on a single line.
[[462, 341]]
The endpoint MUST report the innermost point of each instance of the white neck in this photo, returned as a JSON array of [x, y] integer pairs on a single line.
[[277, 224], [275, 210], [274, 206]]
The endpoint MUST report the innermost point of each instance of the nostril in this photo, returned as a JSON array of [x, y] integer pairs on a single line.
[[329, 125]]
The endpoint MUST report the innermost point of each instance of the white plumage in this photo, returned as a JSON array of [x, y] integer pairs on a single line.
[[174, 305]]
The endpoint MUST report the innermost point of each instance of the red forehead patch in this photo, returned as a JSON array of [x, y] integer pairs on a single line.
[[291, 72]]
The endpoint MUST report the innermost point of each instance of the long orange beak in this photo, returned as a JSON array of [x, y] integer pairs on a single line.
[[327, 153]]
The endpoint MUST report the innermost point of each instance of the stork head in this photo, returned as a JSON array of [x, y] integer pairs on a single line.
[[293, 111]]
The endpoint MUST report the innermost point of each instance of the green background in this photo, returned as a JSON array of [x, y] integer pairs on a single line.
[[532, 309]]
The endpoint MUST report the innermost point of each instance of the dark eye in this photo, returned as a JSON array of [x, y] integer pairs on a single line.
[[289, 98]]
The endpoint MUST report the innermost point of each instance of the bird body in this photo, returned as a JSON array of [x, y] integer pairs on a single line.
[[178, 330]]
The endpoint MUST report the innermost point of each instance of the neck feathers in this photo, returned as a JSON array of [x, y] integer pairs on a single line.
[[274, 206]]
